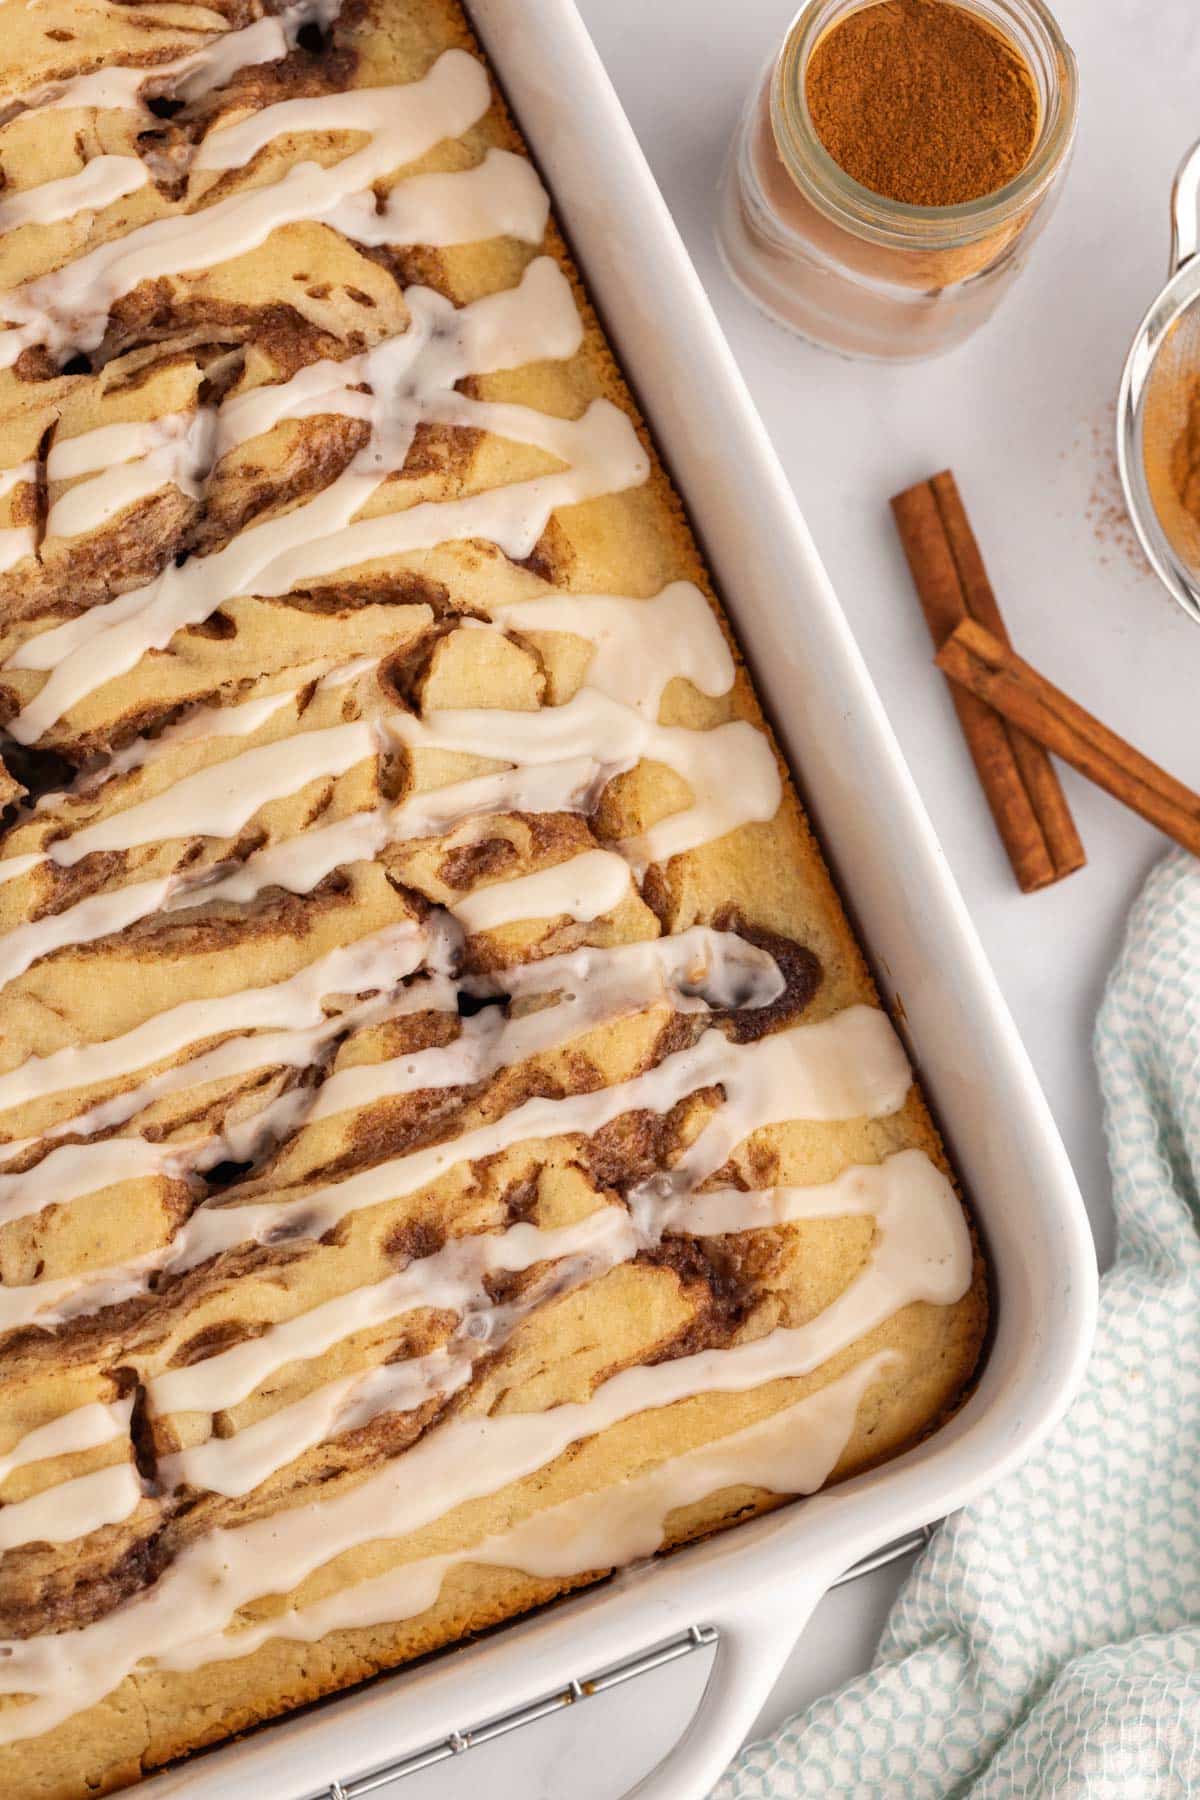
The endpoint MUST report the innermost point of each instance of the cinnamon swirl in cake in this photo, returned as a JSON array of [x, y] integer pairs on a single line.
[[450, 1142]]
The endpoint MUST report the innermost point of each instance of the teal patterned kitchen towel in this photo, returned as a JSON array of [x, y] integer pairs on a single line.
[[1048, 1641]]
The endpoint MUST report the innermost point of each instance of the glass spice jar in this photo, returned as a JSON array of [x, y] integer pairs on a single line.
[[859, 272]]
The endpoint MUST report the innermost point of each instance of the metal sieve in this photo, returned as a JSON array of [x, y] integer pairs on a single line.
[[1158, 411]]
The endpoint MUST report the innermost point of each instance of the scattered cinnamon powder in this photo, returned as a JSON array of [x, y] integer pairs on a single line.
[[1106, 510], [922, 101]]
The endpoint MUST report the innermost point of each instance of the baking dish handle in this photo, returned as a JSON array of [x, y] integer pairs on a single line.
[[754, 1642]]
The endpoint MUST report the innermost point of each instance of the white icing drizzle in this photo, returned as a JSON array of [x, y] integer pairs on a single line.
[[239, 720], [70, 306], [70, 1173], [107, 445], [11, 478], [267, 40], [217, 801], [72, 1509], [218, 805], [698, 969], [96, 917], [188, 77], [583, 888], [292, 1005], [298, 864], [792, 1452], [849, 1066], [285, 1010], [84, 1428], [275, 1441], [501, 195], [135, 460], [919, 1248], [409, 374], [592, 987], [235, 1466], [345, 673], [98, 184], [114, 89], [463, 1459], [589, 725], [602, 455], [537, 318], [75, 1169], [569, 785], [48, 1303], [16, 543], [640, 645], [13, 866], [452, 1280], [281, 770], [17, 540]]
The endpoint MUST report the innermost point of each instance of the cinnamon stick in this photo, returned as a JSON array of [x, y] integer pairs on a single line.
[[1018, 780], [990, 671]]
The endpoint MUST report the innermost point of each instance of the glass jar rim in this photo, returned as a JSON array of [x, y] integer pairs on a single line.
[[896, 223]]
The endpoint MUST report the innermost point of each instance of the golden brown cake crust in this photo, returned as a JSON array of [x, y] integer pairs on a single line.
[[411, 626]]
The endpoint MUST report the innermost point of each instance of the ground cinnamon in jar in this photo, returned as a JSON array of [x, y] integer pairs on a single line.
[[922, 101], [966, 107]]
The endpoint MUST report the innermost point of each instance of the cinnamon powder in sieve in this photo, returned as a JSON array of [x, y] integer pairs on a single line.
[[922, 101], [1185, 456]]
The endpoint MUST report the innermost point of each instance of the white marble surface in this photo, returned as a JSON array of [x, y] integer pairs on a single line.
[[1024, 415]]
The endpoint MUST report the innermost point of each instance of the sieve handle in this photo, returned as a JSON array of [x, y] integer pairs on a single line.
[[1185, 210]]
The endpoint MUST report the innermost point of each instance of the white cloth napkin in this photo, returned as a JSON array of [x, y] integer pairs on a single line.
[[1048, 1641]]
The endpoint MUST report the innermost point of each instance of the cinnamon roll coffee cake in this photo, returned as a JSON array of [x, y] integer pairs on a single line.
[[451, 1143]]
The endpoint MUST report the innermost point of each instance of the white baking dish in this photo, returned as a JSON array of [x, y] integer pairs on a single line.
[[759, 1583]]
